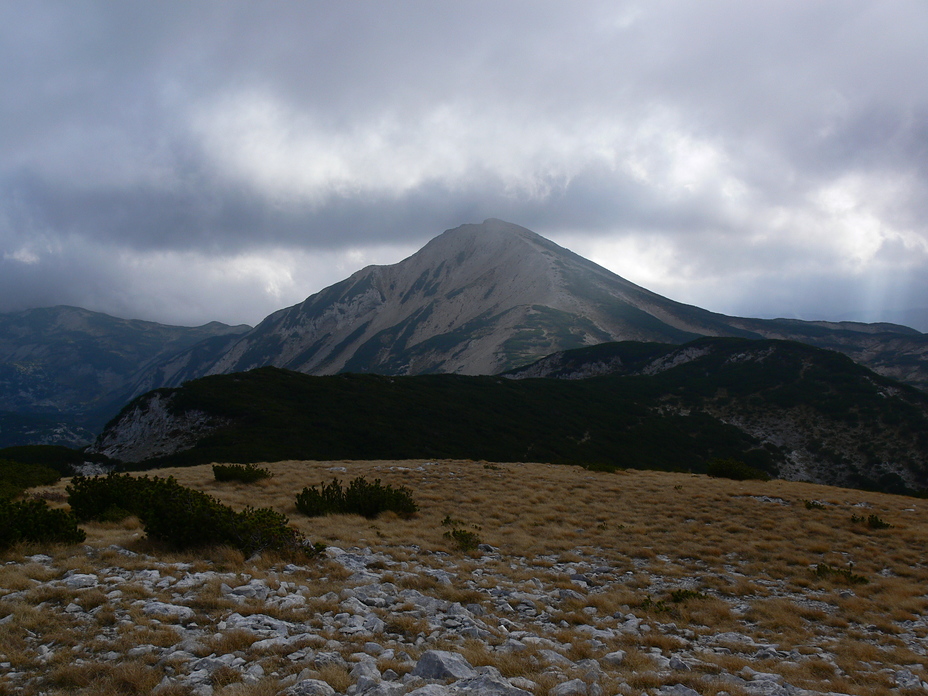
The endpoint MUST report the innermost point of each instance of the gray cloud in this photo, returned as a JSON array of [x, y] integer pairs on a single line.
[[763, 158]]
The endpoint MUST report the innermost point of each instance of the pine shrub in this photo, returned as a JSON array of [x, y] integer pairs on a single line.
[[244, 473], [735, 469], [34, 521], [15, 477], [183, 517], [360, 497], [465, 539], [109, 497], [847, 575], [264, 528], [872, 521]]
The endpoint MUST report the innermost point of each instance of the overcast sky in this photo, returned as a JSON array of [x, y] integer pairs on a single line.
[[184, 161]]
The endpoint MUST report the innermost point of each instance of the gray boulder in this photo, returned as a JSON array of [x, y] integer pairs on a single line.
[[442, 664], [175, 611], [80, 581], [431, 690], [309, 687], [486, 685], [677, 690], [574, 687], [614, 658], [906, 680]]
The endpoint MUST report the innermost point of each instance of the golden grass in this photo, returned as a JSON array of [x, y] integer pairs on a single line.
[[717, 537], [128, 677]]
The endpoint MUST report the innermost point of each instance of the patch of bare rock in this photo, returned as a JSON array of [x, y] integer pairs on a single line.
[[385, 639]]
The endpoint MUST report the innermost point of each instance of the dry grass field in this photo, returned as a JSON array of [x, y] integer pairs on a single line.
[[715, 568]]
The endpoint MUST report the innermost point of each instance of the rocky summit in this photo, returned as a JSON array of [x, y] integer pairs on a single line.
[[483, 298]]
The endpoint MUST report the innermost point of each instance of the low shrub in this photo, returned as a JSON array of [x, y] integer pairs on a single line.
[[247, 473], [683, 595], [15, 477], [676, 597], [34, 521], [256, 529], [450, 521], [360, 497], [183, 517], [825, 571], [105, 498], [466, 540], [872, 521], [736, 470]]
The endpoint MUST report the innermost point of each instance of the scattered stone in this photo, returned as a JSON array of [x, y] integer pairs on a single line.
[[574, 687], [677, 690], [173, 611], [442, 664], [431, 690], [614, 658], [906, 680], [310, 687], [80, 581], [485, 685], [361, 626]]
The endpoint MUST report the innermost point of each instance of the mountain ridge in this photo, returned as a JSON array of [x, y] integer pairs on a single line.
[[484, 298], [796, 411], [477, 299], [69, 369]]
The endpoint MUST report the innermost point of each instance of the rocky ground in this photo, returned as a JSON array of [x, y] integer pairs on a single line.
[[401, 619]]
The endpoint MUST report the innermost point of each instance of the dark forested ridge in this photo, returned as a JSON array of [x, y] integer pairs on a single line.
[[789, 409]]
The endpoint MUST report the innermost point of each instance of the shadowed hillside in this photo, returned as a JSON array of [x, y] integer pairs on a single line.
[[789, 409]]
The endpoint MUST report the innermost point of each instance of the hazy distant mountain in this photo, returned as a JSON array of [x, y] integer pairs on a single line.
[[796, 411], [79, 367], [916, 317], [480, 299]]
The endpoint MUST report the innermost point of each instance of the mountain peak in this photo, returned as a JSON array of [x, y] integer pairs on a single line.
[[482, 298], [491, 243]]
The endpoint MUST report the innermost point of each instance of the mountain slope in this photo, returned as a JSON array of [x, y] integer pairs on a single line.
[[478, 299], [66, 361], [475, 300], [821, 410], [481, 299], [794, 410]]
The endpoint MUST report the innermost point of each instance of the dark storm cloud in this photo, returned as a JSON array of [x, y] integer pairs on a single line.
[[689, 146]]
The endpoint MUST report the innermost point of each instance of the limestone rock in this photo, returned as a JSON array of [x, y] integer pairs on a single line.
[[442, 664], [309, 687]]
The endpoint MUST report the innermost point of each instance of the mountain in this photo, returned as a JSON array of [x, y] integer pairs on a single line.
[[481, 299], [833, 419], [65, 371], [477, 299], [796, 411]]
